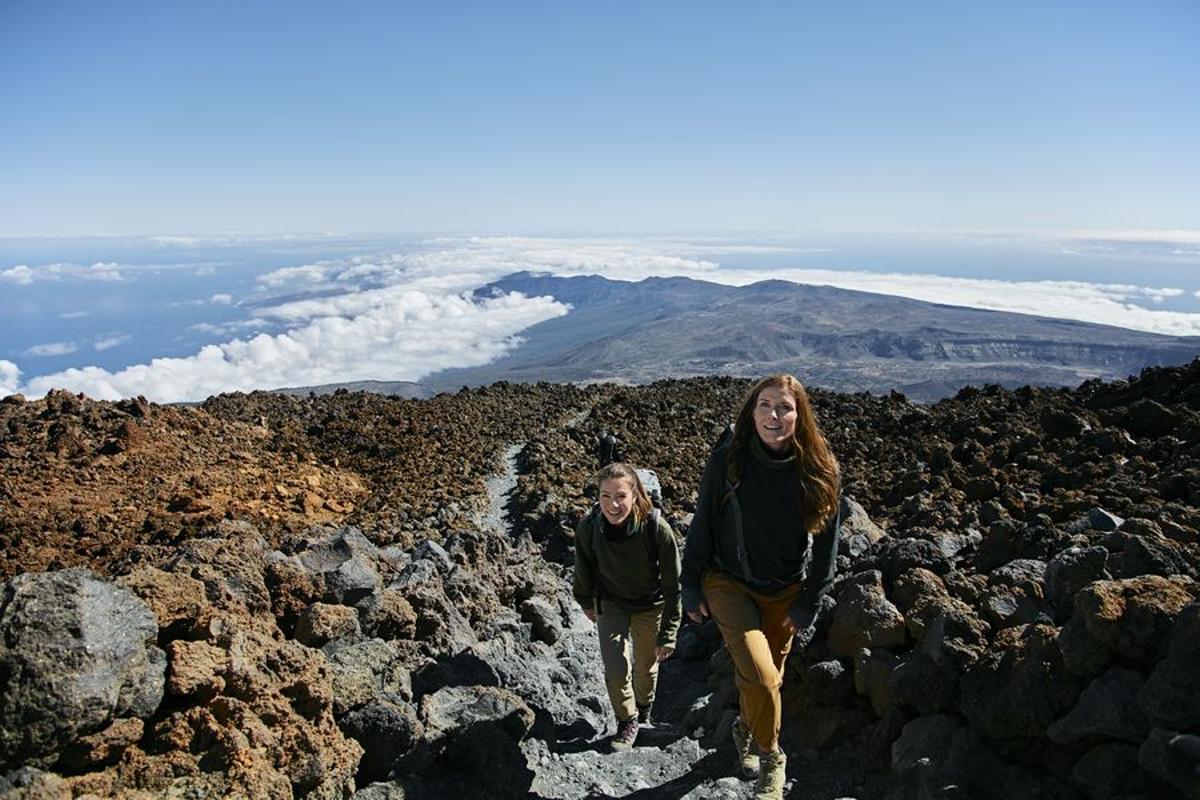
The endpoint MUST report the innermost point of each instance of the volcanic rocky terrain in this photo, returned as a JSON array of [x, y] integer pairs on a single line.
[[358, 595]]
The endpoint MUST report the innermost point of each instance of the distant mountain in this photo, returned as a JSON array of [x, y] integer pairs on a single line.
[[834, 338], [406, 389]]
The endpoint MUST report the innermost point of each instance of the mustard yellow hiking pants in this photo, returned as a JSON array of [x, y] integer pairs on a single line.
[[757, 633], [630, 681]]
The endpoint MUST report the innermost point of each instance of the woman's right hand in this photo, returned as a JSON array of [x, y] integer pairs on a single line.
[[700, 613]]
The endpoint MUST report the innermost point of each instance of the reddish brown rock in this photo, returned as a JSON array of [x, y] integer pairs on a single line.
[[171, 597], [323, 622], [196, 668], [1133, 617]]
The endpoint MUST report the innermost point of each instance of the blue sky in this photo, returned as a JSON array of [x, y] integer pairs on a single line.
[[563, 117], [199, 197]]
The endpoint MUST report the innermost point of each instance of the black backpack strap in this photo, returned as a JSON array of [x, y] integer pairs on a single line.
[[596, 531], [738, 533], [651, 537], [730, 498]]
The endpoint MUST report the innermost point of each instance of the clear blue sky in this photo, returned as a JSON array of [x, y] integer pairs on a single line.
[[193, 117]]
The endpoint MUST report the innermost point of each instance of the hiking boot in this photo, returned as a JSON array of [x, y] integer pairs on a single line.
[[643, 715], [626, 735], [772, 775], [745, 750]]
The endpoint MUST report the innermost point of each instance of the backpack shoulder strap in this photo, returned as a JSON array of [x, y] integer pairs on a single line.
[[587, 531], [739, 535], [651, 534], [587, 535], [729, 497]]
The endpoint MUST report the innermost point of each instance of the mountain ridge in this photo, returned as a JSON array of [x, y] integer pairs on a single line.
[[839, 339]]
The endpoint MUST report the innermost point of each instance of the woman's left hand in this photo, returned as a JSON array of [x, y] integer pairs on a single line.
[[663, 653]]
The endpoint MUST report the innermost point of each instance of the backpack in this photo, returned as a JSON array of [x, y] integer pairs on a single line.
[[650, 483]]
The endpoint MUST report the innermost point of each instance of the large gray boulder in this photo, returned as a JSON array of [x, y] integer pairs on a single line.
[[76, 652], [361, 671], [348, 563], [477, 730], [858, 531], [389, 731], [1068, 572]]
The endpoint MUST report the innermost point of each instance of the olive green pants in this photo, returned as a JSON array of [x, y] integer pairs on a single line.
[[630, 681], [759, 635]]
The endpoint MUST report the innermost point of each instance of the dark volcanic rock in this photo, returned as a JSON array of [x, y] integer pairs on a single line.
[[1107, 709], [939, 756], [1019, 687], [388, 729], [858, 531], [1171, 696], [920, 683], [953, 634], [892, 557], [76, 653], [864, 617], [347, 562], [1068, 572], [477, 728]]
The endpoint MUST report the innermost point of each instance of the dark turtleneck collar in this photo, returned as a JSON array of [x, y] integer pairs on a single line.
[[617, 532], [769, 459]]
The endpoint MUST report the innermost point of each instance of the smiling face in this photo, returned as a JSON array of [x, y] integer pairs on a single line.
[[616, 499], [775, 418]]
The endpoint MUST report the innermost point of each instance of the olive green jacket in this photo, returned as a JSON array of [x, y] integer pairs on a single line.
[[637, 573]]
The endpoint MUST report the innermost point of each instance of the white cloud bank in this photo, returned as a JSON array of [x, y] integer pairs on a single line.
[[23, 275], [403, 336], [1100, 303]]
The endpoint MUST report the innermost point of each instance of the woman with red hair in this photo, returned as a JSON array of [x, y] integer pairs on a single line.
[[760, 555]]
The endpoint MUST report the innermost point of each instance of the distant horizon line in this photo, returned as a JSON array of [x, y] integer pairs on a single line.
[[1166, 234]]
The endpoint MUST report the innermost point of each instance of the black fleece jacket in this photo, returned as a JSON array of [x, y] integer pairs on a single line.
[[777, 547]]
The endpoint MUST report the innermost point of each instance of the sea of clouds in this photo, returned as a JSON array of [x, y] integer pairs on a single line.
[[404, 315]]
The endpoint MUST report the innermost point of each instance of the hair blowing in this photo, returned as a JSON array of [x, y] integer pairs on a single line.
[[818, 476], [641, 498]]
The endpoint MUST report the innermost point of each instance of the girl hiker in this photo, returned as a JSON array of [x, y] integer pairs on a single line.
[[769, 496], [627, 580]]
